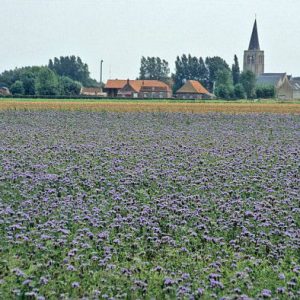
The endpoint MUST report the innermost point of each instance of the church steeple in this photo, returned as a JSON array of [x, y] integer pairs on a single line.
[[254, 42], [254, 58]]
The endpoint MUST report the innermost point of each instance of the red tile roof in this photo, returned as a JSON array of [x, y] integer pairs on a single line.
[[193, 87], [115, 84], [137, 85]]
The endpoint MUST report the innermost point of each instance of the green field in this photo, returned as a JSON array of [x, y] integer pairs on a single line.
[[106, 205]]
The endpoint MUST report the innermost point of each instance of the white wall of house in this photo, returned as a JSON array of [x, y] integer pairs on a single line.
[[296, 94]]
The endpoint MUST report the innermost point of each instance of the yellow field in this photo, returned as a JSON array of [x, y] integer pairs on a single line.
[[152, 106]]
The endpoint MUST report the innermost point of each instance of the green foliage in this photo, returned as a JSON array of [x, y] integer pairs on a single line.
[[90, 82], [224, 86], [10, 77], [189, 68], [70, 66], [28, 78], [24, 81], [47, 82], [68, 86], [239, 91], [224, 77], [94, 208], [265, 91], [17, 88], [223, 91], [154, 68], [27, 75], [214, 65], [248, 80], [236, 71], [213, 73]]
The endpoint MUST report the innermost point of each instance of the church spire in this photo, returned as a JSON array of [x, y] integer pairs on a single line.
[[254, 42]]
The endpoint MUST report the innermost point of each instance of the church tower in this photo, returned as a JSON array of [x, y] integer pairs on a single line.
[[254, 58]]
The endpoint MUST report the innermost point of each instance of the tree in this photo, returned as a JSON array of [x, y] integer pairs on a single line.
[[248, 80], [189, 68], [180, 74], [70, 66], [239, 91], [17, 88], [224, 86], [235, 71], [223, 91], [28, 78], [203, 72], [265, 91], [223, 77], [69, 86], [47, 83], [27, 75], [214, 64], [154, 68], [9, 77]]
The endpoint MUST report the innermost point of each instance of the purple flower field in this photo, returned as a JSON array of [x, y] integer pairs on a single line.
[[149, 206]]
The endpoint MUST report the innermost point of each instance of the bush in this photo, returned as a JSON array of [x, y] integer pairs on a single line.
[[222, 91], [47, 82], [69, 86], [265, 91], [17, 88], [239, 91], [248, 80]]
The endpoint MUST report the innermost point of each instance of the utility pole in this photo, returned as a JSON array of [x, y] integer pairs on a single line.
[[101, 62]]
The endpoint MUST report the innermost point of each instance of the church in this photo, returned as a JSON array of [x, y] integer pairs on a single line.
[[254, 60]]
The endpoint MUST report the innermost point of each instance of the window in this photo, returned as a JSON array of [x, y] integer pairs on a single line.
[[251, 59]]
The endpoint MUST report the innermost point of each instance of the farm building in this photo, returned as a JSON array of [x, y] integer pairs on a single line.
[[295, 82], [137, 89], [92, 91], [280, 81], [193, 89], [4, 91]]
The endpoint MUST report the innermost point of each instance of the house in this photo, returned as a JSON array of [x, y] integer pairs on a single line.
[[112, 87], [92, 91], [295, 83], [137, 89], [4, 91], [280, 81], [193, 89]]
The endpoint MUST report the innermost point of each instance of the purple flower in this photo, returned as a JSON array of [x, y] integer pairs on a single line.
[[75, 284], [266, 293]]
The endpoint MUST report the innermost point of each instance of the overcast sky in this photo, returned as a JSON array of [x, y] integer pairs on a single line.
[[121, 31]]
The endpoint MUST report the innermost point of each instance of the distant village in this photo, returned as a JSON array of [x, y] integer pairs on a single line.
[[285, 86], [272, 85]]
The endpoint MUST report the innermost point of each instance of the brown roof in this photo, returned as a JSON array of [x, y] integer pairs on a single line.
[[193, 87], [115, 84], [137, 85], [90, 90]]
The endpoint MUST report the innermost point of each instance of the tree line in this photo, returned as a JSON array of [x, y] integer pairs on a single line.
[[214, 73], [67, 74], [62, 76]]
